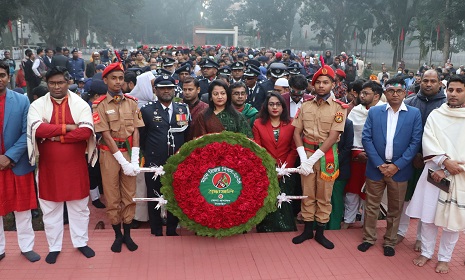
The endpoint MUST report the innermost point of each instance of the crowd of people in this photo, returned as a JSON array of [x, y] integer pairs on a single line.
[[355, 135]]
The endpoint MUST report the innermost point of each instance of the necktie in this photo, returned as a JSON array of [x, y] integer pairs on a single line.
[[167, 113]]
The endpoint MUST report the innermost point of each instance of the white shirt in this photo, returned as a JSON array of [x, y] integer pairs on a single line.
[[293, 107], [36, 65], [392, 119], [170, 110]]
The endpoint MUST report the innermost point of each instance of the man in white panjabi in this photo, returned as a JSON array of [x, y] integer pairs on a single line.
[[444, 130]]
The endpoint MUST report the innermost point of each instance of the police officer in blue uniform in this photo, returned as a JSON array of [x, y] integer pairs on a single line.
[[76, 66], [183, 71], [275, 71], [295, 69], [209, 71], [256, 94], [237, 71], [166, 129], [168, 64]]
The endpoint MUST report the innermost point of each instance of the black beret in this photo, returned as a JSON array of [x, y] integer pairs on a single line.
[[98, 87]]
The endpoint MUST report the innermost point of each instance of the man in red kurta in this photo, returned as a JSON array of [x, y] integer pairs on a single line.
[[62, 132], [17, 192]]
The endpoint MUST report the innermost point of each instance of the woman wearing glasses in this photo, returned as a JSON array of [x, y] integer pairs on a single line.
[[273, 131], [220, 114]]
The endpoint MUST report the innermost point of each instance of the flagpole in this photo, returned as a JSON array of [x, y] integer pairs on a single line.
[[397, 51], [431, 47]]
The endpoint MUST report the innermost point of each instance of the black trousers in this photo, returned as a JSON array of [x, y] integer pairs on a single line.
[[154, 215]]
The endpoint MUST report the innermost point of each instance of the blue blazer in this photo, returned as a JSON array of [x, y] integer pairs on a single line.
[[14, 131], [407, 141]]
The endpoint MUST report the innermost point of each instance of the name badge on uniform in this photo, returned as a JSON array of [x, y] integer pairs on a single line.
[[181, 119], [110, 112]]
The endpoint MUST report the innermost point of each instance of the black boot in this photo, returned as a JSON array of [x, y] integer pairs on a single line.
[[118, 243], [320, 238], [307, 234], [127, 238]]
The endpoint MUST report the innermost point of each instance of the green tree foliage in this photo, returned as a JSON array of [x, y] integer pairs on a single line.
[[448, 15], [391, 17], [10, 11], [336, 21], [274, 18]]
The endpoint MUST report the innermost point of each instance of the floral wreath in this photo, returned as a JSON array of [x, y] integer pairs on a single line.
[[184, 171]]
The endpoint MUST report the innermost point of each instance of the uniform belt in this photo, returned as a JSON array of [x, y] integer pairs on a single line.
[[388, 161], [106, 148], [120, 143], [310, 146]]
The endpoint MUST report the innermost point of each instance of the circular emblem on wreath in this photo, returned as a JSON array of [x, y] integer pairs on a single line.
[[220, 184]]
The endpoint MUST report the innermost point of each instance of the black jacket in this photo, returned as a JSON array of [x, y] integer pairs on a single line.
[[345, 149], [426, 104]]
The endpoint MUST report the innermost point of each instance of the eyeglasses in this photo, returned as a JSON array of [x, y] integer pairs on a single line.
[[391, 91], [277, 104], [364, 92], [54, 84], [299, 92], [239, 93]]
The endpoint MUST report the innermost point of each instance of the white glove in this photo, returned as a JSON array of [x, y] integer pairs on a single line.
[[135, 158], [302, 154], [315, 157], [307, 165], [128, 168]]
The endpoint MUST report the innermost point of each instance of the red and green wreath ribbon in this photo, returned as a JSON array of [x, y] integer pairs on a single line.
[[184, 171], [329, 164]]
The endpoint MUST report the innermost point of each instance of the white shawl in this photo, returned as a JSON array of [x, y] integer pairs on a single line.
[[41, 111], [358, 116], [443, 133], [143, 90]]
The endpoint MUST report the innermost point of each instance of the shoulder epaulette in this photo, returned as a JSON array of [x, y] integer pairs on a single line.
[[100, 99], [130, 97], [309, 99], [343, 105]]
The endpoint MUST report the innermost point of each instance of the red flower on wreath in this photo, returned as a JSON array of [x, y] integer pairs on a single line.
[[186, 182]]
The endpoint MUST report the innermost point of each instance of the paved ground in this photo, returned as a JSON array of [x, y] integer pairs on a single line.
[[247, 256]]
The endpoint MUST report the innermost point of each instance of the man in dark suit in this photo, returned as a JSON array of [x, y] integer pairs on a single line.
[[59, 59], [161, 118], [391, 138], [48, 58], [296, 95], [32, 80]]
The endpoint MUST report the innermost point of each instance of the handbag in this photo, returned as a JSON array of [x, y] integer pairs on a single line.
[[444, 184]]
